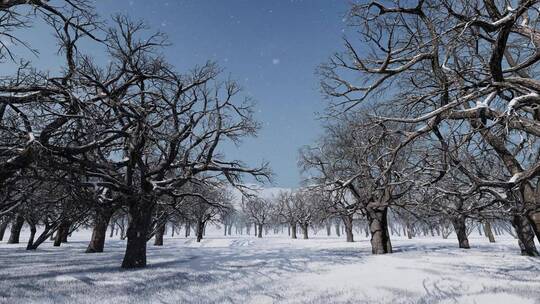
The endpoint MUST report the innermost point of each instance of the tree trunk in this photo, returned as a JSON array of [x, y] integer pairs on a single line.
[[45, 234], [304, 231], [328, 229], [534, 219], [409, 231], [229, 231], [61, 233], [188, 229], [348, 222], [366, 230], [293, 230], [140, 218], [29, 245], [158, 238], [3, 228], [101, 222], [461, 231], [65, 233], [112, 231], [525, 235], [338, 229], [378, 227], [259, 230], [16, 228], [200, 230], [488, 232]]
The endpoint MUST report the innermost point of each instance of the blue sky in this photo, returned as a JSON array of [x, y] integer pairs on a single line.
[[271, 47]]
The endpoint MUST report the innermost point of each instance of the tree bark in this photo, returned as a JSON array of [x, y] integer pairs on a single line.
[[534, 219], [348, 223], [461, 231], [33, 230], [200, 230], [45, 234], [378, 227], [112, 231], [188, 229], [61, 233], [338, 229], [525, 235], [293, 231], [16, 228], [259, 230], [488, 232], [305, 231], [140, 214], [409, 230], [3, 228], [101, 222], [328, 229], [158, 238]]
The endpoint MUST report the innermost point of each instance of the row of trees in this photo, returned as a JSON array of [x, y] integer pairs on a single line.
[[116, 127], [433, 112]]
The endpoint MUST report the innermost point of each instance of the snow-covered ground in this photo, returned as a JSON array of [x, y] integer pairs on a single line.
[[272, 270]]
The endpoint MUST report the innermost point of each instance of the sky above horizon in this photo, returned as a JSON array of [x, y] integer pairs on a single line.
[[272, 48]]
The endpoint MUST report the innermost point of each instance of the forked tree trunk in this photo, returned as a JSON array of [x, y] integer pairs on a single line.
[[3, 228], [33, 243], [259, 230], [16, 228], [488, 232], [305, 231], [158, 238], [140, 215], [461, 231], [293, 230], [378, 227], [101, 222], [525, 235], [63, 231], [348, 223]]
